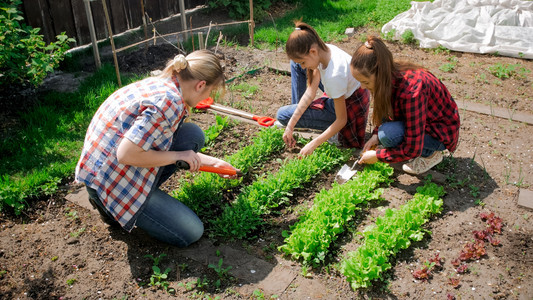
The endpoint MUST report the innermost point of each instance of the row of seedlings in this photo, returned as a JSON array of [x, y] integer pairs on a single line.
[[332, 209], [391, 233], [245, 214], [206, 190]]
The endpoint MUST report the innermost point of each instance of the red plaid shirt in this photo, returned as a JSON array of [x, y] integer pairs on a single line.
[[425, 105]]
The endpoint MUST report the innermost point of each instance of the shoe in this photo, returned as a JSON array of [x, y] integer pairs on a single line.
[[335, 140], [277, 124], [421, 164]]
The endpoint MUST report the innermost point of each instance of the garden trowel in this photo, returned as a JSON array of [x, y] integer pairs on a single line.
[[347, 172]]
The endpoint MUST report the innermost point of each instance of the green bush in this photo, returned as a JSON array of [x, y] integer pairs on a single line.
[[24, 56], [240, 9]]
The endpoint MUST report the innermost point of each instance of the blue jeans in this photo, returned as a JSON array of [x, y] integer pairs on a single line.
[[162, 216], [390, 134], [299, 82], [319, 119]]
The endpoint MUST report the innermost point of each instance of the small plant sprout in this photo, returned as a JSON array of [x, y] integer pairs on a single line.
[[158, 278], [222, 272], [71, 281], [77, 233], [449, 67]]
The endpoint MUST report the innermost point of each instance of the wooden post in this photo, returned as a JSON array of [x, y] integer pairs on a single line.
[[183, 18], [112, 43], [93, 34], [201, 40], [252, 25], [145, 26]]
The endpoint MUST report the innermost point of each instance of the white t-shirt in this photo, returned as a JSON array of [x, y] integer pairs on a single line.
[[337, 78]]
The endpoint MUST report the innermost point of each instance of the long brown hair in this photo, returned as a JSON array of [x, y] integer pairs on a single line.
[[374, 58], [300, 41]]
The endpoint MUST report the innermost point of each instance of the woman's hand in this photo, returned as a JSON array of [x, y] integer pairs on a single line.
[[288, 138], [191, 158], [309, 148], [219, 163], [371, 143], [368, 157]]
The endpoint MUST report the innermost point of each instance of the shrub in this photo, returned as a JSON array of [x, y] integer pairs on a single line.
[[24, 56], [240, 9]]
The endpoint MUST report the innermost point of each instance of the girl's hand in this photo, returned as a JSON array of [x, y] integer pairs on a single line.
[[191, 158], [288, 138], [309, 148], [371, 143], [221, 163], [368, 157]]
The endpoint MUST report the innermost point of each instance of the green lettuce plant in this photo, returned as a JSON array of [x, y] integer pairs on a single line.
[[319, 227], [391, 233]]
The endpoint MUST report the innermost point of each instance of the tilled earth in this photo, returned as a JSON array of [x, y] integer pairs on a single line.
[[61, 250]]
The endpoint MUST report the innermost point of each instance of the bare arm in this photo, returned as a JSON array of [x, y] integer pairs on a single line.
[[304, 103], [129, 153], [336, 126]]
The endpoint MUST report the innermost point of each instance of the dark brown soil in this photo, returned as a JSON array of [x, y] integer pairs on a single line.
[[42, 257]]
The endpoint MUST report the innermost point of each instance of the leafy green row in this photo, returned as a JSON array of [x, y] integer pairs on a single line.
[[391, 232], [244, 215], [207, 188], [332, 209], [214, 131]]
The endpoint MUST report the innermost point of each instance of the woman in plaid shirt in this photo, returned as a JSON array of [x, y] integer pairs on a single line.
[[134, 140], [415, 116]]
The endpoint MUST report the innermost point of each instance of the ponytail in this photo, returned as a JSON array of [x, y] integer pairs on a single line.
[[374, 58], [199, 65], [300, 41]]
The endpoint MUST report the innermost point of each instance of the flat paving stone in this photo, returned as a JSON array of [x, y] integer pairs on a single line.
[[525, 198]]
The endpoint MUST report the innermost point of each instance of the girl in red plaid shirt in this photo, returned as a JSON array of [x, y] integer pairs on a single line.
[[415, 116]]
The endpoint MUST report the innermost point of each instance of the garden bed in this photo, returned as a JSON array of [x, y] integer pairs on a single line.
[[58, 249]]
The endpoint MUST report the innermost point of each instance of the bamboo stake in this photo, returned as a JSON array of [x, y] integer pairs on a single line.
[[252, 25], [144, 25], [112, 42], [192, 35], [92, 33], [201, 40]]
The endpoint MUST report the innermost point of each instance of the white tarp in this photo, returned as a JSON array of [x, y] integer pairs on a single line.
[[479, 26]]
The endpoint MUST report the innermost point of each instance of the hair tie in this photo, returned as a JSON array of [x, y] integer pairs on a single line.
[[180, 62], [297, 28], [367, 44]]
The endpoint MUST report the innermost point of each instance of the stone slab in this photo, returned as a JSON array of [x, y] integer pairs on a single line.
[[81, 198], [525, 198], [496, 111], [275, 283]]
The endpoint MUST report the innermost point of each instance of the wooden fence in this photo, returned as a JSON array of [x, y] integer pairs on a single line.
[[56, 16]]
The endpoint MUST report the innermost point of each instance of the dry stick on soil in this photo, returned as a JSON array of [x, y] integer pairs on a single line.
[[218, 41], [207, 36], [192, 35]]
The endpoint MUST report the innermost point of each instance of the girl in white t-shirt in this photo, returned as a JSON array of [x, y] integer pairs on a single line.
[[342, 115]]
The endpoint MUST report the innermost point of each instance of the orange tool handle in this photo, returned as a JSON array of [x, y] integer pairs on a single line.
[[219, 170], [264, 121]]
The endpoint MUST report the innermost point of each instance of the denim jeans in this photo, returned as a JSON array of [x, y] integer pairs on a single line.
[[299, 82], [390, 134], [162, 216], [319, 119]]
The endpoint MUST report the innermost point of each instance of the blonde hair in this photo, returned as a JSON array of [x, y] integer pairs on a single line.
[[199, 65]]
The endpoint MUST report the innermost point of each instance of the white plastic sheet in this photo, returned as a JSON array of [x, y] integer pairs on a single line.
[[479, 26]]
